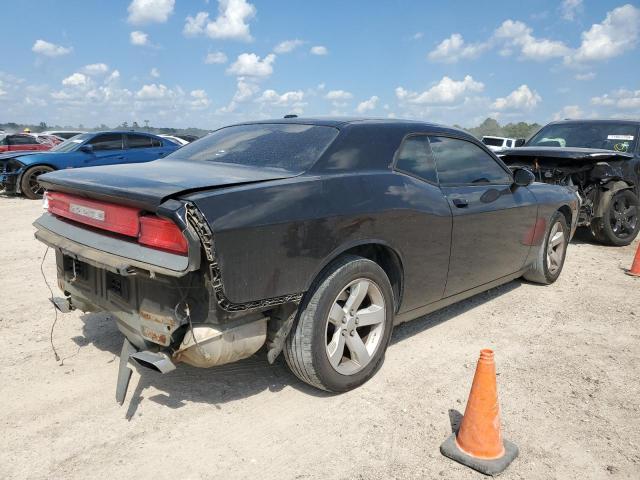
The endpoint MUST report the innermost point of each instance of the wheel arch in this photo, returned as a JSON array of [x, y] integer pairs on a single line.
[[607, 192], [377, 251], [26, 168], [566, 211]]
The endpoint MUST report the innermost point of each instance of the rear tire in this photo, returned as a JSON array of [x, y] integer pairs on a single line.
[[29, 185], [619, 226], [548, 264], [343, 326]]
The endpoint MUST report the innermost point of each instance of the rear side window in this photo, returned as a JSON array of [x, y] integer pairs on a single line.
[[107, 141], [155, 142], [292, 147], [461, 162], [415, 158], [21, 140], [139, 141]]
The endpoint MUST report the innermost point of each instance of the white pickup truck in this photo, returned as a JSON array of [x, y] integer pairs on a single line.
[[498, 143]]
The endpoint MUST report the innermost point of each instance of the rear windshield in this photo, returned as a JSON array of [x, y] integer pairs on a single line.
[[619, 137], [290, 147], [494, 142]]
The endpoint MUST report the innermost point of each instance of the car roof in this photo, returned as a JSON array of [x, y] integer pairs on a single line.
[[124, 132], [340, 122]]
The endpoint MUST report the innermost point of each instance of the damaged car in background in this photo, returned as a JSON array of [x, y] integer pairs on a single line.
[[600, 159], [312, 237]]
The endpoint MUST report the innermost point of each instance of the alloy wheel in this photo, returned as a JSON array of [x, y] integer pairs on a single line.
[[355, 326], [34, 186], [624, 217], [555, 248]]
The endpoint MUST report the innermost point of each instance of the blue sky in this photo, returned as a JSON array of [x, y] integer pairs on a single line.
[[209, 63]]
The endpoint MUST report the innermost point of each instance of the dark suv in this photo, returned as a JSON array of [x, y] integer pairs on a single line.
[[601, 160]]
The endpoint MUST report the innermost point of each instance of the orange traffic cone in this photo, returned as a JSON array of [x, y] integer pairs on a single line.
[[478, 443], [634, 271]]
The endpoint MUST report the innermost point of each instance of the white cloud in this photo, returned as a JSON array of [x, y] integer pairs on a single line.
[[319, 50], [569, 111], [250, 64], [48, 49], [522, 98], [585, 76], [154, 92], [454, 48], [287, 46], [417, 36], [76, 80], [292, 98], [139, 38], [338, 95], [446, 91], [367, 105], [569, 9], [155, 73], [114, 76], [95, 69], [231, 23], [618, 33], [620, 99], [199, 99], [215, 58], [246, 89], [518, 34], [196, 25], [149, 11]]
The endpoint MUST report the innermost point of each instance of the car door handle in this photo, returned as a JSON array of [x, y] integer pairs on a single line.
[[460, 202]]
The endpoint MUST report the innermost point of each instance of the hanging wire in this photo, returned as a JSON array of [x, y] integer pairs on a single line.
[[55, 309]]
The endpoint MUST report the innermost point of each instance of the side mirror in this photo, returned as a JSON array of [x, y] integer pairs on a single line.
[[86, 148], [523, 177], [520, 142]]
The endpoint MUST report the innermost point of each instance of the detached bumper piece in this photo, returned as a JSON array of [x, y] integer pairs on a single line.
[[157, 361], [124, 372]]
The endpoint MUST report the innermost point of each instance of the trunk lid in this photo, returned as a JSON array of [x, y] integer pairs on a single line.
[[147, 185]]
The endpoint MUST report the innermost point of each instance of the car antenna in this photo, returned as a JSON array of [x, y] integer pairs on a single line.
[[291, 115]]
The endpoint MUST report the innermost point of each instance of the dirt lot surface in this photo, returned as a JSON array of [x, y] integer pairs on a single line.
[[568, 358]]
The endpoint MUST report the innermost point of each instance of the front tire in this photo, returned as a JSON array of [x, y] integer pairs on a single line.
[[548, 264], [343, 326], [619, 225], [29, 185]]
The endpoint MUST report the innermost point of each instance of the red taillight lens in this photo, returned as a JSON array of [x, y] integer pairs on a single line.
[[162, 233], [107, 216], [150, 230]]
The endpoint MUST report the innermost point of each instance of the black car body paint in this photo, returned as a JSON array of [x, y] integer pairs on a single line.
[[267, 233]]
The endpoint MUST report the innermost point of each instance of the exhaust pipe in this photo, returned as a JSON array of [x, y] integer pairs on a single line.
[[158, 361]]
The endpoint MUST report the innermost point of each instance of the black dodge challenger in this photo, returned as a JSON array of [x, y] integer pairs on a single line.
[[310, 236]]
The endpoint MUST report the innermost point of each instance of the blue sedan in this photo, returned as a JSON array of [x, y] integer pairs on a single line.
[[19, 171]]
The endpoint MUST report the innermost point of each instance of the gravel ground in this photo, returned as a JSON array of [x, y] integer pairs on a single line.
[[568, 357]]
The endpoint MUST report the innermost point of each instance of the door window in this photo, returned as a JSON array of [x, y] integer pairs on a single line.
[[106, 141], [416, 159], [460, 162], [139, 141]]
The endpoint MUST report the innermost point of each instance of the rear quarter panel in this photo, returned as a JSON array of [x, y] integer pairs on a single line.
[[273, 239]]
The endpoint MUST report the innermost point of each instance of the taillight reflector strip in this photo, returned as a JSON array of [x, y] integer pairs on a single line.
[[106, 216], [162, 233]]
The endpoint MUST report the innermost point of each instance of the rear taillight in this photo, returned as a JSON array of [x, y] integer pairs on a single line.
[[107, 216], [149, 230], [162, 233]]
